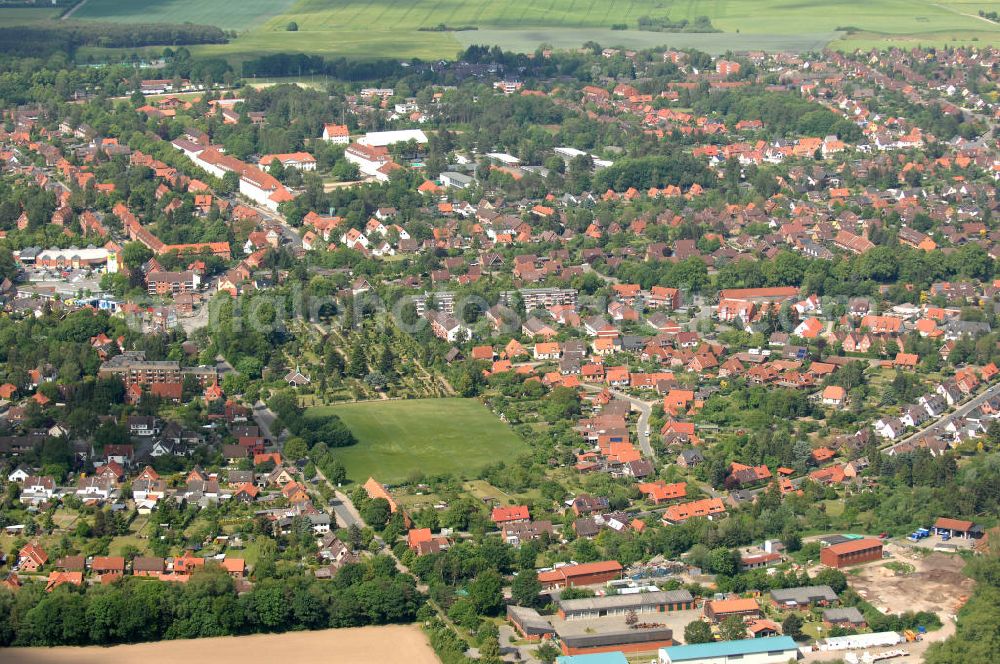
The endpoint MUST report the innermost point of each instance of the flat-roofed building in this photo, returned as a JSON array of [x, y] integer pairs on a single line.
[[529, 623], [612, 638], [383, 138], [609, 605], [542, 298], [771, 650]]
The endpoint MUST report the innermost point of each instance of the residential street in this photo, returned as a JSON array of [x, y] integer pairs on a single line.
[[645, 409], [264, 417], [938, 426], [292, 238]]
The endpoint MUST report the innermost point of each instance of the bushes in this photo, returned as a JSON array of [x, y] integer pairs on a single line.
[[328, 429], [448, 646]]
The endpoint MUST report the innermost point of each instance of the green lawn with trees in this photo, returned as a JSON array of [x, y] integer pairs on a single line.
[[399, 439]]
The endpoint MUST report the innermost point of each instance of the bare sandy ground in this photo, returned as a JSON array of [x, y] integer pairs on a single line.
[[362, 645], [935, 584]]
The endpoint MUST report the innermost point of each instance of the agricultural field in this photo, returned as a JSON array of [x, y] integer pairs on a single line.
[[373, 28], [399, 438], [713, 43], [357, 645], [27, 15], [226, 15], [382, 28]]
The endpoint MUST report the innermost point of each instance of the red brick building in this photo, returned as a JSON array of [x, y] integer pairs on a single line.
[[854, 552], [584, 574]]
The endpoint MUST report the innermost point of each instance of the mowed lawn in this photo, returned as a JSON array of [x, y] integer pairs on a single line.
[[398, 438]]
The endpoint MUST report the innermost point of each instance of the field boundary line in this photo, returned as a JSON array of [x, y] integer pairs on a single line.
[[73, 10], [954, 11]]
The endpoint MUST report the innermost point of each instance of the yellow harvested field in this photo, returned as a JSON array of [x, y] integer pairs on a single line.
[[361, 645]]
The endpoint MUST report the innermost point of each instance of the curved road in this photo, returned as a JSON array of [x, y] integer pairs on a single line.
[[645, 409]]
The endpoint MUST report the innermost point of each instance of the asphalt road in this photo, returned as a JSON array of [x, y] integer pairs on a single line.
[[291, 237], [265, 417], [938, 426], [645, 409]]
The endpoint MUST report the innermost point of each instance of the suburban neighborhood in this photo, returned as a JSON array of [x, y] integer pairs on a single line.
[[590, 356]]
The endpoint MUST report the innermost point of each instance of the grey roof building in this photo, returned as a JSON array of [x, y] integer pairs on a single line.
[[803, 595], [849, 615], [596, 607]]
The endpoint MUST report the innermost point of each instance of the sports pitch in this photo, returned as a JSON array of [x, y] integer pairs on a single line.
[[398, 438]]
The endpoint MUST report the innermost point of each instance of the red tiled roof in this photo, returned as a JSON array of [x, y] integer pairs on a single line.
[[854, 546], [953, 524], [513, 513], [582, 569]]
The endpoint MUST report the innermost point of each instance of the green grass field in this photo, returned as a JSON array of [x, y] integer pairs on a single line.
[[27, 15], [398, 438], [389, 28], [239, 15], [366, 28]]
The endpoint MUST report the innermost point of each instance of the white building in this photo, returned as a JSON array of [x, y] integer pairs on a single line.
[[568, 153], [857, 641], [380, 139], [504, 158], [354, 239], [37, 489], [335, 133], [303, 161], [263, 188], [77, 258], [455, 180], [369, 159]]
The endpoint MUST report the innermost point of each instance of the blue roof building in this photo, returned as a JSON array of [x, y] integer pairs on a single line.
[[773, 650], [596, 658]]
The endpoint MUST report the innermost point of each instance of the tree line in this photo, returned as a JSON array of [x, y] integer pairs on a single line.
[[35, 40], [136, 609], [298, 64]]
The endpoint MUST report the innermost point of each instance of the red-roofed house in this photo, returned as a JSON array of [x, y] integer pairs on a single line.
[[513, 514], [582, 574]]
